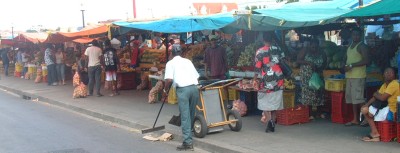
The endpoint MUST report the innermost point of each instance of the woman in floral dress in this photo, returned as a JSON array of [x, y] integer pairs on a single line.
[[311, 60]]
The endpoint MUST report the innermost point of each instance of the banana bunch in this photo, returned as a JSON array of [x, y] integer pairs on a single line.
[[289, 84], [127, 69]]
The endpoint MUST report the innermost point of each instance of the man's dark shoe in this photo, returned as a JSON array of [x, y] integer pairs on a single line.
[[185, 147]]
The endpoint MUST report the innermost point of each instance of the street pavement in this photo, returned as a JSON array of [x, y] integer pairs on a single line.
[[131, 109], [33, 127]]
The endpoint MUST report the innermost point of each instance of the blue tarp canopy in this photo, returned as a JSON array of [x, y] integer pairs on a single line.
[[294, 15], [383, 7], [183, 24]]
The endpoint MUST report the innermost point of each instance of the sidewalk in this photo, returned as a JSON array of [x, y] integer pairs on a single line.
[[131, 109]]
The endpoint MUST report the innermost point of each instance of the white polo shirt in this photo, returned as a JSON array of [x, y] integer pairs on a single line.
[[94, 53], [181, 71]]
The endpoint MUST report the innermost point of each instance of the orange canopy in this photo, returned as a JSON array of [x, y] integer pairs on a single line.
[[83, 40], [60, 37], [31, 37]]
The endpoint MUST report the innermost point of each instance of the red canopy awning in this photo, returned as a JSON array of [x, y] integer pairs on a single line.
[[31, 37], [9, 42]]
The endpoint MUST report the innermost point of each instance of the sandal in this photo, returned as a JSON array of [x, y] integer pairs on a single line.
[[364, 124], [351, 124], [369, 138]]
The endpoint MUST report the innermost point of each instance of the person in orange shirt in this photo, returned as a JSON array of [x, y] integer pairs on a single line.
[[388, 95]]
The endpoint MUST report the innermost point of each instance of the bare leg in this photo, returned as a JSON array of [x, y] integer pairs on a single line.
[[369, 117], [356, 113]]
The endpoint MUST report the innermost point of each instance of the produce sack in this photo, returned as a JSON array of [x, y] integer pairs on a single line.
[[240, 106], [315, 82], [76, 80], [38, 79], [154, 91], [80, 91]]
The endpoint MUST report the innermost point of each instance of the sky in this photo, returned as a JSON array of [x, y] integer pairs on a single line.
[[23, 14]]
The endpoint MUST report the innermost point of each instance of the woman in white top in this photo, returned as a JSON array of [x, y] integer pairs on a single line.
[[60, 65]]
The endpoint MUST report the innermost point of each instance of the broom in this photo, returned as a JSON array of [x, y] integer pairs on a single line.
[[154, 128]]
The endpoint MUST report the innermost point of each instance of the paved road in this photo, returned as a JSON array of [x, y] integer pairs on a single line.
[[32, 127]]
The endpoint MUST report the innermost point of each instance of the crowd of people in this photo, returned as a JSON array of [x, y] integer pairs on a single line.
[[90, 64], [268, 59]]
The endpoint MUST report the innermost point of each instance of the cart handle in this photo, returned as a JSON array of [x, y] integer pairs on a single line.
[[231, 81]]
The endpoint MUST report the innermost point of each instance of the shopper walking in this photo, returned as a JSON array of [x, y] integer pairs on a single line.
[[5, 56], [111, 63], [49, 59], [60, 65], [270, 94], [94, 54], [356, 71], [182, 72]]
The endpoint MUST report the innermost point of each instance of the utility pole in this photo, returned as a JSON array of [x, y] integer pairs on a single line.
[[83, 15], [83, 18], [12, 35]]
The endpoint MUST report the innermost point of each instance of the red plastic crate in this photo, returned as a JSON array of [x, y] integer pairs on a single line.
[[340, 111], [387, 130], [289, 116], [398, 133], [327, 107]]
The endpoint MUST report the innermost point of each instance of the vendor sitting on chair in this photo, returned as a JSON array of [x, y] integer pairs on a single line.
[[387, 96]]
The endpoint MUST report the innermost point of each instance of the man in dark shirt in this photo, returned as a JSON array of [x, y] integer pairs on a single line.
[[6, 60], [215, 61]]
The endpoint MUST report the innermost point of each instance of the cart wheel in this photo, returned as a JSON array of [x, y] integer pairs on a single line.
[[233, 115], [200, 128]]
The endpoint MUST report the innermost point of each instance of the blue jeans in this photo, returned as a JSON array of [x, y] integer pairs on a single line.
[[5, 65], [188, 98], [24, 71], [60, 71], [94, 76], [52, 74]]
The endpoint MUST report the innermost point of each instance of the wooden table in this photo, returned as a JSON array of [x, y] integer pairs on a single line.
[[249, 96]]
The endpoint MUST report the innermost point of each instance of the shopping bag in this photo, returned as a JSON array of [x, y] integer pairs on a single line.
[[172, 98], [315, 82]]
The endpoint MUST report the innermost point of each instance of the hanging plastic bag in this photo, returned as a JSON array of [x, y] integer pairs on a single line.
[[172, 98], [315, 82]]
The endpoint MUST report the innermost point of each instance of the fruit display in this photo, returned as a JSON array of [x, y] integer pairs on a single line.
[[334, 54], [153, 55], [195, 53], [249, 84], [233, 52], [289, 84], [126, 68], [246, 58]]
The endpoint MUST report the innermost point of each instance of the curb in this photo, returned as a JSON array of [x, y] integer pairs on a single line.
[[209, 146]]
